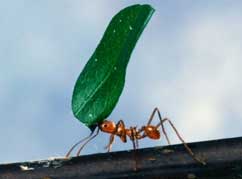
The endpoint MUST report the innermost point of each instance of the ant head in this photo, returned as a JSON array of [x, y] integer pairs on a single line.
[[107, 126]]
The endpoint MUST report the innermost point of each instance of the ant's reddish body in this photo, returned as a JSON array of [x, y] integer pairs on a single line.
[[134, 134]]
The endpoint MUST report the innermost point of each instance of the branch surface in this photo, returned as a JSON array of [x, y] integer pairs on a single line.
[[223, 158]]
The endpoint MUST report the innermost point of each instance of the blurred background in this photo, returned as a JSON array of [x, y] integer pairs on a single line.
[[188, 63]]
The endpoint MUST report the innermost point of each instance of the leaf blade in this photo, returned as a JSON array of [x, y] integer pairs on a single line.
[[101, 82]]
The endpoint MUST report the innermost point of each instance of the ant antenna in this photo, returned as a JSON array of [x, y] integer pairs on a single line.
[[83, 145], [82, 140]]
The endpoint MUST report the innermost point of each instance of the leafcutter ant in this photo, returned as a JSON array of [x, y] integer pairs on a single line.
[[134, 134]]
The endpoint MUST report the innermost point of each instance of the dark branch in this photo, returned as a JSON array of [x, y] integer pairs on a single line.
[[223, 157]]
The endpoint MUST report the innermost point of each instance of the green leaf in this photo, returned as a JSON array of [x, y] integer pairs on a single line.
[[101, 82]]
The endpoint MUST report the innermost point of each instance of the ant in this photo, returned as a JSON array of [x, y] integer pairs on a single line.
[[134, 134]]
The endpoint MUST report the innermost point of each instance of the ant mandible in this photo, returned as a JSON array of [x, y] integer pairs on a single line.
[[134, 134]]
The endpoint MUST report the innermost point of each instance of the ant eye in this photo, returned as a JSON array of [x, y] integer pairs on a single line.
[[105, 125]]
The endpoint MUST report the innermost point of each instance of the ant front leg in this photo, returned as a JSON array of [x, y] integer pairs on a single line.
[[111, 140], [120, 131]]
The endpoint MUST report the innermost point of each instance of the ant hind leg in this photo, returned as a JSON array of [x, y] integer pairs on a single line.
[[189, 150], [160, 124]]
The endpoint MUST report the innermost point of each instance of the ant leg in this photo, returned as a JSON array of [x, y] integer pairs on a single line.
[[160, 124], [189, 150], [135, 146], [111, 140], [69, 152], [178, 135], [134, 138], [120, 127], [136, 143], [135, 133], [78, 153], [152, 116]]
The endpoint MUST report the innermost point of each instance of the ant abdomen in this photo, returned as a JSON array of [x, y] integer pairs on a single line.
[[152, 132]]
